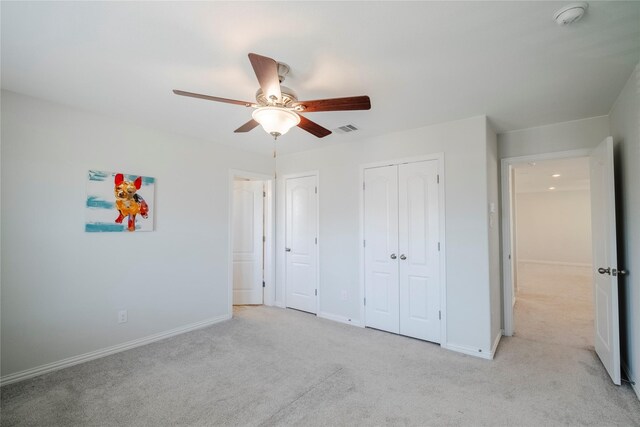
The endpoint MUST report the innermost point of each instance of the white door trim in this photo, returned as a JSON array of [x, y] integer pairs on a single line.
[[269, 259], [316, 174], [506, 166], [442, 237]]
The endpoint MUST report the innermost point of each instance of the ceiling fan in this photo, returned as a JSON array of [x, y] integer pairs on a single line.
[[277, 107]]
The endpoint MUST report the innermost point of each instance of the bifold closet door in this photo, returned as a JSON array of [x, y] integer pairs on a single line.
[[380, 248], [418, 250]]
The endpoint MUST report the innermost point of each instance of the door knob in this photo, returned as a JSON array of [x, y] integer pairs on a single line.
[[287, 249], [615, 272], [402, 257], [604, 270], [393, 256]]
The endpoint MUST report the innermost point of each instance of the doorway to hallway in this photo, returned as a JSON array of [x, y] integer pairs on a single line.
[[251, 272], [552, 253]]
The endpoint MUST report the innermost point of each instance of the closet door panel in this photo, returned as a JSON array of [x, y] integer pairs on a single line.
[[419, 280], [381, 248]]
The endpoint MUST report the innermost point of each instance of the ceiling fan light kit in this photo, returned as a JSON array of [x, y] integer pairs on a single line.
[[276, 121], [277, 107]]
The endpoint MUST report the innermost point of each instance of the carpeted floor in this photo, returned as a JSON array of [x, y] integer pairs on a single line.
[[555, 304], [269, 366]]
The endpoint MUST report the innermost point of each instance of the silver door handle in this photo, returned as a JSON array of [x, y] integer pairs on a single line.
[[393, 256], [604, 270], [615, 272], [402, 257], [287, 249]]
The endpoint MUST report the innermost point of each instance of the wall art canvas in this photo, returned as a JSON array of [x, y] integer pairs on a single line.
[[119, 202]]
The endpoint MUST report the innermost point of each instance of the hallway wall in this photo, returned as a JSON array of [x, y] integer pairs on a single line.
[[554, 227]]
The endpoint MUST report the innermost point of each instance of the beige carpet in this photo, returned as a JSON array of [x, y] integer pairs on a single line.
[[269, 366], [554, 304]]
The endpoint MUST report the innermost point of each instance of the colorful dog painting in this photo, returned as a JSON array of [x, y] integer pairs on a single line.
[[121, 196], [128, 203]]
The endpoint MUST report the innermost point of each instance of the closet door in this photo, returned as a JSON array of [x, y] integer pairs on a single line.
[[381, 248], [418, 251]]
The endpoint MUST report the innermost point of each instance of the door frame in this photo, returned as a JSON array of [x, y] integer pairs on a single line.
[[269, 231], [506, 183], [316, 174], [442, 235]]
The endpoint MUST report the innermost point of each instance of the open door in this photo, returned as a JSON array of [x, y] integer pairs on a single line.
[[301, 228], [605, 260], [248, 232]]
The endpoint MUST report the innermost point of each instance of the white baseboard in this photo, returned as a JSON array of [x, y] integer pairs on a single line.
[[471, 351], [634, 383], [542, 261], [496, 341], [341, 319], [75, 360]]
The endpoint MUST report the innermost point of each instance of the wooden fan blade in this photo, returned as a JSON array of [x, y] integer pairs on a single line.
[[336, 104], [212, 98], [266, 70], [313, 128], [247, 126]]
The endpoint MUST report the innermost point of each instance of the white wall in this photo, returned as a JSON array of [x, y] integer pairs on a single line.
[[574, 135], [62, 287], [464, 145], [625, 129], [494, 234], [554, 227]]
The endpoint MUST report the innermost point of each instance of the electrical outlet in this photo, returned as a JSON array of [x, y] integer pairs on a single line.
[[122, 316]]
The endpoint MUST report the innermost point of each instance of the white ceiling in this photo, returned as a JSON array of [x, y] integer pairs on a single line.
[[538, 176], [420, 62]]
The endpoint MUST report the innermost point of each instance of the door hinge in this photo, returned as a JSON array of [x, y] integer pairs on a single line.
[[316, 190], [365, 301], [363, 186], [439, 315], [438, 178], [316, 240], [264, 239], [316, 292], [438, 246], [263, 284], [364, 243], [509, 256], [264, 194]]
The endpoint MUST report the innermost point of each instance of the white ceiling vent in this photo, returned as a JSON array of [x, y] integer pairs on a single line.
[[570, 13], [346, 129]]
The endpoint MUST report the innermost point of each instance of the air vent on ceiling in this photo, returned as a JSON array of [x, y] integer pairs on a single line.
[[346, 129]]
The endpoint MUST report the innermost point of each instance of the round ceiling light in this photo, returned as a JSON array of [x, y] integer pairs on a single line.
[[570, 13], [275, 120]]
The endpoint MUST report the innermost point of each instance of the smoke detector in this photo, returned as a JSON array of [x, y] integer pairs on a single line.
[[570, 13]]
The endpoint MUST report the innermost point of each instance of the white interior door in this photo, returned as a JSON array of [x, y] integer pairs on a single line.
[[381, 248], [419, 259], [248, 226], [605, 261], [301, 225]]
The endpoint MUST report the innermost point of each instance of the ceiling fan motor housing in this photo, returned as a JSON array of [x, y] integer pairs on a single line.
[[288, 98]]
